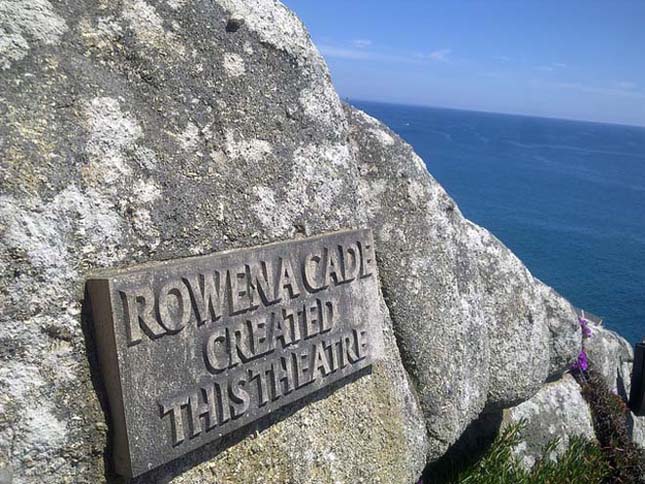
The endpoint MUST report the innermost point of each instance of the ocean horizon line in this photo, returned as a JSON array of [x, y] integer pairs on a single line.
[[481, 111]]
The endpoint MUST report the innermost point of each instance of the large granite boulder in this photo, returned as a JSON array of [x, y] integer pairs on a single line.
[[476, 331], [142, 131], [557, 411], [612, 357]]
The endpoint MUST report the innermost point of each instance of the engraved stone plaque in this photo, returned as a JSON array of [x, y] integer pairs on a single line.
[[193, 349]]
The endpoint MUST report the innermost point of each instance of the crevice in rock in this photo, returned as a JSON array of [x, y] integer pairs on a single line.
[[473, 443]]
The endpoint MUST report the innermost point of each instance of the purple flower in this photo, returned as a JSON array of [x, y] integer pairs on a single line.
[[584, 326], [581, 364]]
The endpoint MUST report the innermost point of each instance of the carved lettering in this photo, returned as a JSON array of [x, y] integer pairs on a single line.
[[288, 286], [174, 409], [262, 281], [139, 314], [206, 290], [174, 305], [313, 274], [217, 351], [204, 346]]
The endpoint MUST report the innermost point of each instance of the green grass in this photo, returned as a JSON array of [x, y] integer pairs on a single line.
[[625, 460], [612, 459], [582, 462]]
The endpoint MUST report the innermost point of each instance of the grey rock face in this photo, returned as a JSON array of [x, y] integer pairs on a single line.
[[559, 411], [637, 425], [611, 356], [142, 131], [475, 329]]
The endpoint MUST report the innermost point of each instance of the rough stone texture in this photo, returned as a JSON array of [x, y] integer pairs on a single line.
[[637, 426], [559, 411], [612, 356], [475, 329], [142, 131], [335, 440]]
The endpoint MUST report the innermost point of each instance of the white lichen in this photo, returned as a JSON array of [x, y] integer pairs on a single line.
[[265, 210], [249, 149], [189, 138], [148, 27], [23, 22], [382, 136], [106, 31], [112, 132], [320, 103], [44, 430], [234, 64], [317, 181], [42, 230], [276, 25], [176, 4], [147, 191]]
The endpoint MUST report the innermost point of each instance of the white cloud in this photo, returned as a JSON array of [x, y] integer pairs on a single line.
[[361, 43], [606, 91], [336, 52], [440, 55], [626, 85], [358, 51], [550, 67], [344, 52]]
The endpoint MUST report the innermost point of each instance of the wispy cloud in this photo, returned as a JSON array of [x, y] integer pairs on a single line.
[[550, 67], [626, 85], [361, 50], [344, 52], [361, 43], [603, 90], [501, 58], [440, 55], [350, 53]]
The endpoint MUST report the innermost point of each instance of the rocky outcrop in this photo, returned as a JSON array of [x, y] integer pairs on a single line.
[[138, 131], [557, 411], [612, 357], [475, 329], [143, 131]]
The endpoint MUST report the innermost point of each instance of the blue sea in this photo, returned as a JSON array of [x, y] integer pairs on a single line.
[[567, 197]]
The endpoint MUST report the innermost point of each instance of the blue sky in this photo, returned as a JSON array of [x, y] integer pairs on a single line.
[[576, 59]]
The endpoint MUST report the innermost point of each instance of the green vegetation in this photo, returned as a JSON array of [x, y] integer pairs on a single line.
[[582, 462], [613, 459], [625, 460]]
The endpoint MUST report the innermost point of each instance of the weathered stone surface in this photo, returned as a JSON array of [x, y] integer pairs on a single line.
[[637, 427], [193, 349], [475, 329], [559, 411], [612, 357], [144, 131]]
